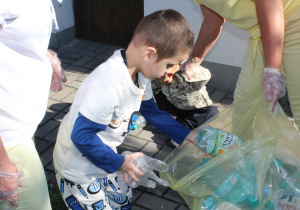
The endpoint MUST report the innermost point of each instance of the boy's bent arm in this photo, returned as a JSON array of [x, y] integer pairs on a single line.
[[85, 138], [163, 121]]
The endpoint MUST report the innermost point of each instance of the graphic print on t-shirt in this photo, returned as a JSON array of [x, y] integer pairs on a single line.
[[117, 119]]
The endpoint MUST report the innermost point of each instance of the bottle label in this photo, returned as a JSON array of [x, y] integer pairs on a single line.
[[224, 142]]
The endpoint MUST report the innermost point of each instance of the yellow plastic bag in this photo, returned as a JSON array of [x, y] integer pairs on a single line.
[[263, 172]]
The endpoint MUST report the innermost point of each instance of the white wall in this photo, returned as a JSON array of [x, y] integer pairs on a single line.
[[232, 44], [64, 15]]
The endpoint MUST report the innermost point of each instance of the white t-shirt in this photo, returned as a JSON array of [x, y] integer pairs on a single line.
[[109, 97], [25, 71]]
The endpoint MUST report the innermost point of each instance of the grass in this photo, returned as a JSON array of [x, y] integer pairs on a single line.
[[56, 200]]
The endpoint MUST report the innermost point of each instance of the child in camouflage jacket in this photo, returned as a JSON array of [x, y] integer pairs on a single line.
[[186, 99]]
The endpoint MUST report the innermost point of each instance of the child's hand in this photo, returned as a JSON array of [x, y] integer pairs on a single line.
[[129, 169], [192, 136], [142, 171]]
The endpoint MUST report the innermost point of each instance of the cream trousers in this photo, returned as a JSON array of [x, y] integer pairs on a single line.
[[35, 196]]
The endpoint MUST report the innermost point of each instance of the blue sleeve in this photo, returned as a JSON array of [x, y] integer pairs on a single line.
[[84, 136], [163, 121]]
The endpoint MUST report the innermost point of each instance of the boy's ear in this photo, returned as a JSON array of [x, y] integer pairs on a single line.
[[148, 53]]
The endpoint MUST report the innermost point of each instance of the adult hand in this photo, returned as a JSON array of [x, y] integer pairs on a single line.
[[141, 172], [274, 85], [11, 178], [58, 75], [190, 66]]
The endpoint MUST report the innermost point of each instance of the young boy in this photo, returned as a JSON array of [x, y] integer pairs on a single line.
[[186, 99], [105, 109]]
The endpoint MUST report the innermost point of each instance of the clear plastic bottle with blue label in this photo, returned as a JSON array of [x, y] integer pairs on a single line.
[[239, 188], [140, 122], [215, 141], [288, 179]]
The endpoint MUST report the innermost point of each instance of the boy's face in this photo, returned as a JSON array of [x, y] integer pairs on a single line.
[[153, 69]]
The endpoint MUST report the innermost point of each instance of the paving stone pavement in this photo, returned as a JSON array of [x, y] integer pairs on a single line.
[[79, 58]]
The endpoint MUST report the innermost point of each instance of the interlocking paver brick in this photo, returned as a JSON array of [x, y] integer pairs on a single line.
[[89, 53], [71, 77], [70, 97], [155, 137], [46, 157], [92, 64], [159, 190], [182, 207], [52, 136], [173, 195], [67, 60], [49, 175], [155, 202], [226, 101], [80, 79], [135, 142], [46, 128], [163, 152], [50, 114], [217, 96], [41, 145], [56, 105], [75, 84], [151, 149], [59, 96], [75, 69], [82, 61]]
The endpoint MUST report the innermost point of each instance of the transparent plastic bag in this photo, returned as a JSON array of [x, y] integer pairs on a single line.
[[263, 172]]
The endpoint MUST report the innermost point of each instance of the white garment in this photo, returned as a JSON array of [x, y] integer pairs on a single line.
[[25, 71], [109, 97]]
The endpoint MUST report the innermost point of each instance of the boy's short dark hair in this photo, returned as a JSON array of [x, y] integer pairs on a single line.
[[167, 31]]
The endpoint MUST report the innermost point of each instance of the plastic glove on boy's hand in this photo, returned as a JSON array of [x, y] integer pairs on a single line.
[[58, 75], [143, 173], [274, 85], [189, 66], [9, 185]]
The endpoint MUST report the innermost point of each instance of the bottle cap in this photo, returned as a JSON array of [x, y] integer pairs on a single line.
[[134, 127]]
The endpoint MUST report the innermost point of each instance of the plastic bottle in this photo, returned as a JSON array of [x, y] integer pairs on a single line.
[[240, 188], [227, 185], [215, 141], [289, 185], [209, 202], [140, 122]]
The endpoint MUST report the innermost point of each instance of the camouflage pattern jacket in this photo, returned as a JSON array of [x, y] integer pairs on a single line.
[[186, 94]]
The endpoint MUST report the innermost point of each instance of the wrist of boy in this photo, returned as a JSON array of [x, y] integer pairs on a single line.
[[124, 165]]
